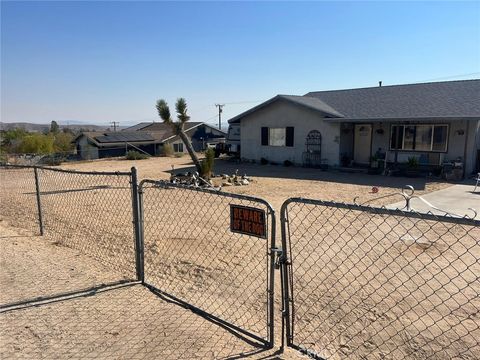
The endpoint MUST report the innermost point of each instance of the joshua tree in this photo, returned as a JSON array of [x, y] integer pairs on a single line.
[[179, 126]]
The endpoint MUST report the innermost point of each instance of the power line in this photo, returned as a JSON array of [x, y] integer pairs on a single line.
[[450, 77], [220, 110], [115, 124]]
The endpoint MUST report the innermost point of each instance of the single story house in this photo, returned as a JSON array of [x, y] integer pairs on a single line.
[[434, 122], [145, 137]]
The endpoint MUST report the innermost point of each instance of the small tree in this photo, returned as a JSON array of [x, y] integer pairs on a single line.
[[179, 126], [54, 128], [63, 142], [207, 163]]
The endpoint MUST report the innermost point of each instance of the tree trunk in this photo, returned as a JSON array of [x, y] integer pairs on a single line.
[[190, 150]]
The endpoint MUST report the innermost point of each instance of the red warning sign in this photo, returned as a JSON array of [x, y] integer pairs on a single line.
[[248, 221]]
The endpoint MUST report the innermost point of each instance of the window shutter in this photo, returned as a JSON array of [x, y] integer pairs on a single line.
[[289, 136], [264, 136]]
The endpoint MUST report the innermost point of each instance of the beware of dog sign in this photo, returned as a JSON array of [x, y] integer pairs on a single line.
[[247, 220]]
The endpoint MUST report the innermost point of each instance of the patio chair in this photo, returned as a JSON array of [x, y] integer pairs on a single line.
[[478, 181]]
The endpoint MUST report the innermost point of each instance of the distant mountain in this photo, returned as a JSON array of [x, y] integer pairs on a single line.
[[45, 127]]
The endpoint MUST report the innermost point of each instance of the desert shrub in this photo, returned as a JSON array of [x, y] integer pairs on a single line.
[[287, 163], [135, 155], [167, 150], [37, 144], [63, 142], [208, 163], [179, 154], [263, 161]]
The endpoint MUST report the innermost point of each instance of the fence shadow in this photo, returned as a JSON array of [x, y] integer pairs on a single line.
[[126, 321]]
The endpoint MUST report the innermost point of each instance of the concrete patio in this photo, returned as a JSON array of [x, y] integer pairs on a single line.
[[456, 199]]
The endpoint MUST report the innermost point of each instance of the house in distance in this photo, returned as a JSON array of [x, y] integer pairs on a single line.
[[145, 137]]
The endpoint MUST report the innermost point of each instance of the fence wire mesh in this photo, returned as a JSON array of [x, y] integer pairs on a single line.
[[191, 254], [108, 321], [18, 202], [368, 282], [91, 212]]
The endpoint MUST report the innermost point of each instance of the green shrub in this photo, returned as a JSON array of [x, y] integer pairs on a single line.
[[287, 163], [263, 161], [208, 163], [135, 155], [167, 150], [413, 162]]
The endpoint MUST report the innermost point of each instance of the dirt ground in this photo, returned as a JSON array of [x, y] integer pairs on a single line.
[[112, 319], [89, 244], [276, 183]]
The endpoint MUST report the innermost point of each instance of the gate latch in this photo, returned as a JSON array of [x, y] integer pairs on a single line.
[[278, 256]]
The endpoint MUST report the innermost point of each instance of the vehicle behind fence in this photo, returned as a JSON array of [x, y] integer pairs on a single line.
[[367, 282]]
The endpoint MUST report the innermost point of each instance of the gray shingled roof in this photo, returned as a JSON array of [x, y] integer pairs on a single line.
[[449, 99], [158, 126], [309, 102]]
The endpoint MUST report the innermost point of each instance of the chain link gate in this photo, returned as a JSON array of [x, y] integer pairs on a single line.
[[369, 282], [191, 254]]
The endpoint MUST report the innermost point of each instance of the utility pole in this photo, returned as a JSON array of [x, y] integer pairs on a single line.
[[220, 109], [115, 124]]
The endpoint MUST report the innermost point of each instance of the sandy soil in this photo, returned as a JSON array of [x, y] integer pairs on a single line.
[[384, 287], [123, 321], [276, 183], [208, 266]]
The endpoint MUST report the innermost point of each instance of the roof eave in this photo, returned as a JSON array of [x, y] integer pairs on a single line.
[[416, 118], [237, 118]]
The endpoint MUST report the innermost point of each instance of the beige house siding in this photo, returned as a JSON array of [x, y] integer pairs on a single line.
[[282, 114]]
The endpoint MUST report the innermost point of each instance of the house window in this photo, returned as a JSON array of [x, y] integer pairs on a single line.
[[178, 148], [419, 137], [277, 136]]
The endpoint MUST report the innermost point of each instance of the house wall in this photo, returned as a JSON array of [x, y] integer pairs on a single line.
[[85, 150], [283, 114], [177, 140]]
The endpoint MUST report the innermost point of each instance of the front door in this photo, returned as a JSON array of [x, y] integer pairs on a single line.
[[362, 144]]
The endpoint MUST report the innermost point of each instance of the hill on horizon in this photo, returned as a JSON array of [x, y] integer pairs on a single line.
[[31, 127]]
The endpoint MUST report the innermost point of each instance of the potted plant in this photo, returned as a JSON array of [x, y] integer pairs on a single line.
[[412, 167]]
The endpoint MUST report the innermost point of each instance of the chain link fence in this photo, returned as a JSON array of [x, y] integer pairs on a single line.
[[367, 282], [18, 198], [89, 212], [357, 281], [192, 255]]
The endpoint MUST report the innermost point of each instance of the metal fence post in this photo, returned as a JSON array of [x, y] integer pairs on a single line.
[[138, 225], [39, 202]]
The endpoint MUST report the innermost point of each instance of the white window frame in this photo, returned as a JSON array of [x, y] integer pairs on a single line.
[[431, 141], [179, 147], [270, 129]]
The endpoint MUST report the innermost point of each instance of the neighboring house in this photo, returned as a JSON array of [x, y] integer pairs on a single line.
[[434, 122], [145, 137]]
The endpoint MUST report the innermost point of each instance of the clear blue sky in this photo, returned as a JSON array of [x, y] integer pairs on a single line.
[[110, 61]]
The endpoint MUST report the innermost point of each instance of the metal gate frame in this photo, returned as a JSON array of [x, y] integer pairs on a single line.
[[272, 255], [286, 266]]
